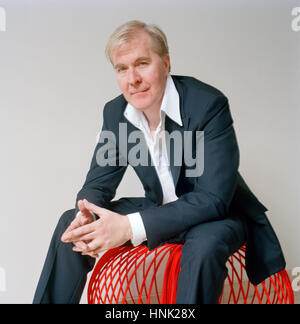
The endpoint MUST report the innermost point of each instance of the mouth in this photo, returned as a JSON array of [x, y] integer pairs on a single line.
[[140, 91]]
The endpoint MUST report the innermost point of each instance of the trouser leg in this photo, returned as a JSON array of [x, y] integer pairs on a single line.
[[205, 252], [64, 273]]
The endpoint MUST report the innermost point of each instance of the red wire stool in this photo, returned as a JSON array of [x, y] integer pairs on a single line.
[[135, 275]]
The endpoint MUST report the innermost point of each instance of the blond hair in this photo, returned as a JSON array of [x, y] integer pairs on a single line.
[[129, 30]]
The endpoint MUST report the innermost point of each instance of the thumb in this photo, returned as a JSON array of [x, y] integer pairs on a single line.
[[80, 205], [85, 217], [91, 207]]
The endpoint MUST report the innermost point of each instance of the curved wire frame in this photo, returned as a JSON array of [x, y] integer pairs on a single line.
[[135, 275]]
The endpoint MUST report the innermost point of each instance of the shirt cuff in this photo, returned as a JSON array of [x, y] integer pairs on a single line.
[[90, 213], [137, 228]]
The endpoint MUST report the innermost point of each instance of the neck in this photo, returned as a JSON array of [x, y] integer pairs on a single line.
[[152, 114], [153, 118]]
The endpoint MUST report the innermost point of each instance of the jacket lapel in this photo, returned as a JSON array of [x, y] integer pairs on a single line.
[[175, 154], [172, 126]]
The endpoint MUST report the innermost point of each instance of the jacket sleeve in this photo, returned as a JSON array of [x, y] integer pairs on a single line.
[[213, 190], [103, 179]]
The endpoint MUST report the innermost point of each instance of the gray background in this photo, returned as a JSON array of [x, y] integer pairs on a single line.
[[54, 81]]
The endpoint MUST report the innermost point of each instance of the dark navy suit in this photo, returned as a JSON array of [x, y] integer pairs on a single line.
[[214, 215]]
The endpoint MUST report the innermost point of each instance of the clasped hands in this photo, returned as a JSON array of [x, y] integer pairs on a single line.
[[90, 237]]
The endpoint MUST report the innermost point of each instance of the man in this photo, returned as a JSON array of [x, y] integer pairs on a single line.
[[212, 213]]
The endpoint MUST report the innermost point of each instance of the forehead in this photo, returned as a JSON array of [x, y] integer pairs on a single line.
[[140, 45]]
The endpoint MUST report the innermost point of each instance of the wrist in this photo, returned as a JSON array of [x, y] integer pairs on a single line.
[[138, 229], [128, 232]]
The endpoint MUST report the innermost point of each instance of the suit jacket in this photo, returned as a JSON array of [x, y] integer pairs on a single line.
[[220, 190]]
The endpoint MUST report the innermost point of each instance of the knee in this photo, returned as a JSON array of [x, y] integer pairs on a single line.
[[208, 249], [66, 218]]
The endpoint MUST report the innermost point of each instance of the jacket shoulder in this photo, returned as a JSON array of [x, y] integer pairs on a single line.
[[200, 101], [115, 106], [113, 112], [194, 87]]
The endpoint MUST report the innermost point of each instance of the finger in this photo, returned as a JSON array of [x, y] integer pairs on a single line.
[[91, 254], [80, 205], [76, 249], [77, 233], [88, 237], [74, 224], [84, 212], [94, 245], [101, 250], [93, 208], [81, 245], [85, 219]]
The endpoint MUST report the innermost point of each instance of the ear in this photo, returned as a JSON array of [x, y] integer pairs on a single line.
[[166, 61]]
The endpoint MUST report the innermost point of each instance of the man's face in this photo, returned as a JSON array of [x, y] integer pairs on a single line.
[[141, 72]]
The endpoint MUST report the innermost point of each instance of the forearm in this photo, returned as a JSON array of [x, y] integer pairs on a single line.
[[164, 222]]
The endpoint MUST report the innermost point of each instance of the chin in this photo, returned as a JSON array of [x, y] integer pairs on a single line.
[[141, 104]]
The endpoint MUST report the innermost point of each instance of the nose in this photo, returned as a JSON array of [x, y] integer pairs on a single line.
[[134, 77]]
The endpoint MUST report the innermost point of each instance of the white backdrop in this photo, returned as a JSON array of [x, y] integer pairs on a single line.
[[54, 81]]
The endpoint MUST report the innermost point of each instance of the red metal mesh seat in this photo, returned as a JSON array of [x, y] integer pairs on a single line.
[[135, 275]]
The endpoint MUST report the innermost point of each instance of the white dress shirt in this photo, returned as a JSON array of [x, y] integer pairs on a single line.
[[170, 106]]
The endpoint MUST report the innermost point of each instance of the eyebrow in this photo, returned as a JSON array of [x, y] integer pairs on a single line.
[[141, 58], [118, 65]]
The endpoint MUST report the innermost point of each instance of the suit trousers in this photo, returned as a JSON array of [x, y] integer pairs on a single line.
[[206, 249]]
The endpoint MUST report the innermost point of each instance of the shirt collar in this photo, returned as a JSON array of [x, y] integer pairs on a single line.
[[170, 105]]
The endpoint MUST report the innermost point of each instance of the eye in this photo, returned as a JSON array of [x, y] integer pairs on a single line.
[[121, 69], [143, 63]]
